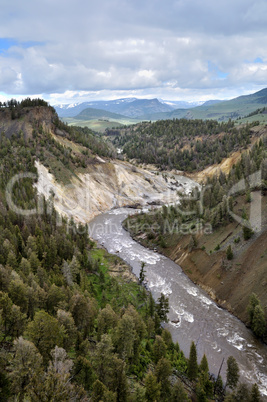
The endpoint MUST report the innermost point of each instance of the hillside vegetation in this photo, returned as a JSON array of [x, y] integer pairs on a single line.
[[153, 109], [221, 111], [101, 123], [91, 113], [210, 236], [188, 145], [69, 331], [50, 140]]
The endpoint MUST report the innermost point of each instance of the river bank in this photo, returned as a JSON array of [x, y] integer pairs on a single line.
[[228, 282], [193, 315]]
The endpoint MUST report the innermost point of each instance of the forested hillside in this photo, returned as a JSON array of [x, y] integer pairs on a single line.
[[69, 331], [49, 139], [186, 145], [210, 235]]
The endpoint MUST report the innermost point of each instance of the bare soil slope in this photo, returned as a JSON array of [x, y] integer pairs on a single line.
[[104, 185], [228, 282]]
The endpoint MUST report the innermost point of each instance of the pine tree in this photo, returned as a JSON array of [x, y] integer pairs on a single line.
[[45, 332], [152, 388], [125, 336], [66, 320], [142, 273], [232, 374], [258, 322], [218, 389], [204, 366], [178, 393], [119, 382], [242, 393], [201, 394], [162, 307], [106, 320], [24, 364], [247, 232], [255, 394], [192, 362], [151, 305], [253, 302], [159, 348], [99, 390], [163, 371], [229, 253], [103, 359]]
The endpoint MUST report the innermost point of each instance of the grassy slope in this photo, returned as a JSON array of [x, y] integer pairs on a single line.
[[91, 113], [262, 118], [241, 106], [99, 125]]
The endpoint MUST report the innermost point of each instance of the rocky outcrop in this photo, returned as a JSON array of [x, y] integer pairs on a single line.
[[105, 185]]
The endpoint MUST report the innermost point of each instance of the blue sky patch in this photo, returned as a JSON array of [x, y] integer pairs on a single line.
[[258, 60], [7, 43], [217, 74]]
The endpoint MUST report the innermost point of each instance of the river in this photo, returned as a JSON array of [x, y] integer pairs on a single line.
[[216, 332]]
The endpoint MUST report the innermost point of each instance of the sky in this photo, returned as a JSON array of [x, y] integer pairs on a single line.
[[68, 51]]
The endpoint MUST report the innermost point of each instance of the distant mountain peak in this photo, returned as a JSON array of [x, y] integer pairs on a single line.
[[128, 107], [155, 109]]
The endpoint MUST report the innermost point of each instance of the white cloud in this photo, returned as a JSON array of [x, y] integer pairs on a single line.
[[148, 47]]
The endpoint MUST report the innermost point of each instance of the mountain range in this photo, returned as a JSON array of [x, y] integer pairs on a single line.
[[155, 109], [128, 107]]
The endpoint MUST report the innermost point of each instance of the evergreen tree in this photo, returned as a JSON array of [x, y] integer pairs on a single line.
[[204, 366], [192, 363], [83, 372], [253, 302], [201, 394], [258, 322], [152, 388], [219, 386], [55, 383], [101, 393], [151, 305], [119, 382], [178, 393], [159, 348], [255, 394], [232, 373], [162, 307], [162, 372], [229, 253], [25, 363], [5, 386], [45, 332], [247, 232], [12, 321], [106, 320], [66, 320], [242, 393], [124, 337], [103, 359], [142, 273]]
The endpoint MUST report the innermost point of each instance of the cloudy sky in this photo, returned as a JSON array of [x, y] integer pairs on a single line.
[[76, 50]]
